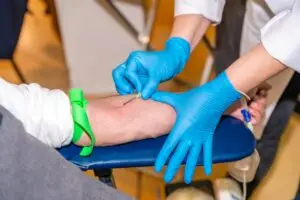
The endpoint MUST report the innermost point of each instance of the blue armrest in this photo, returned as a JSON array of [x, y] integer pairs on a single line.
[[232, 141]]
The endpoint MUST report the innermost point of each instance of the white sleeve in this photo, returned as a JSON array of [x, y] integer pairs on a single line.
[[45, 114], [211, 9], [281, 37]]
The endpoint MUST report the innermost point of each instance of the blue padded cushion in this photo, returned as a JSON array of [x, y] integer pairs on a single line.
[[232, 141]]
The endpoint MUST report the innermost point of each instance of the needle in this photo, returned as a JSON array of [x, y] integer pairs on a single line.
[[130, 100], [133, 98]]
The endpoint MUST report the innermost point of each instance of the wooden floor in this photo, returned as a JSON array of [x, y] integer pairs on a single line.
[[40, 57]]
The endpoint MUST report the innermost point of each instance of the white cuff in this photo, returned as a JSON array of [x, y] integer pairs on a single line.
[[57, 121], [211, 9], [45, 114], [280, 37]]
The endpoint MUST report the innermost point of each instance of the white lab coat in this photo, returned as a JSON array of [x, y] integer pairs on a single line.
[[280, 36], [257, 15], [45, 114]]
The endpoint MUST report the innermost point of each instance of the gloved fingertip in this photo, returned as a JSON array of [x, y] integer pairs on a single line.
[[145, 95], [150, 88], [187, 180], [115, 73], [125, 91], [168, 178], [157, 168], [129, 90], [139, 88], [188, 175], [207, 170]]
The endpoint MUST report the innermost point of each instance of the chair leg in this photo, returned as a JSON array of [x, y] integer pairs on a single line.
[[130, 27], [139, 185], [17, 70], [105, 176]]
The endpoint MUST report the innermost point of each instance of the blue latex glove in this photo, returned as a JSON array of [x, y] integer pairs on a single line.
[[198, 113], [144, 71]]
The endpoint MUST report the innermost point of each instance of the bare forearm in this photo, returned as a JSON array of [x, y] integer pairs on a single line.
[[253, 68], [147, 119], [114, 123], [190, 27]]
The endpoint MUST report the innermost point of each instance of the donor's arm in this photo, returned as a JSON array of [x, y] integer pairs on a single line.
[[114, 123]]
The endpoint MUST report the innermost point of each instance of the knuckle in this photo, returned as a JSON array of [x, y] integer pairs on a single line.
[[135, 56], [115, 72]]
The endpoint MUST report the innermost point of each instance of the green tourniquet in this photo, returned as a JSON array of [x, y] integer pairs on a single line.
[[81, 121]]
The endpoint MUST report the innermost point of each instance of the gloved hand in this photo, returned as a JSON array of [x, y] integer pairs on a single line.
[[198, 113], [143, 71]]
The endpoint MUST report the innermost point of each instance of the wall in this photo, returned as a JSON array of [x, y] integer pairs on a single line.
[[94, 42]]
